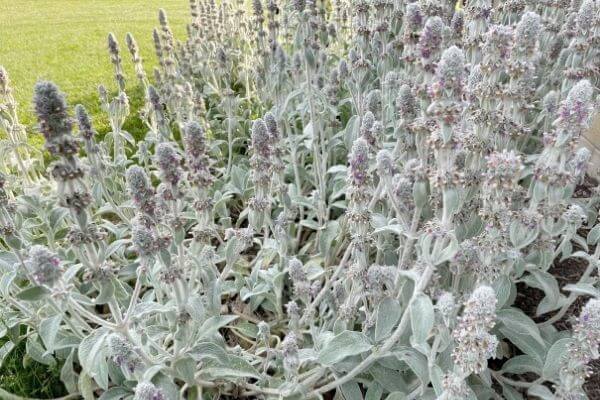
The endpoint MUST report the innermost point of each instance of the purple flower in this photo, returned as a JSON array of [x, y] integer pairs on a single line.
[[359, 163], [261, 140], [413, 19], [528, 31], [498, 41], [577, 107], [84, 122], [431, 37], [43, 265], [141, 190], [451, 69], [168, 162], [54, 122], [147, 391], [406, 103]]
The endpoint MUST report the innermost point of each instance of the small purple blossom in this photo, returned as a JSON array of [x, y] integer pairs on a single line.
[[147, 391], [141, 190], [431, 37], [43, 265], [168, 161], [359, 163]]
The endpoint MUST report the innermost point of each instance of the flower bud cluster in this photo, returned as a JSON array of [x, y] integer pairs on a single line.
[[303, 289], [406, 104], [262, 163], [196, 156], [264, 331], [158, 113], [575, 216], [446, 305], [430, 42], [54, 122], [497, 47], [147, 391], [88, 133], [379, 281], [123, 353], [5, 88], [358, 173], [454, 388], [449, 82], [56, 125], [474, 344], [370, 130], [289, 351], [478, 14], [84, 122], [575, 110], [43, 265], [8, 210], [276, 145], [412, 24], [141, 191], [583, 349], [503, 170], [243, 238], [90, 234], [385, 164], [145, 238], [451, 69], [115, 58], [136, 58], [168, 162]]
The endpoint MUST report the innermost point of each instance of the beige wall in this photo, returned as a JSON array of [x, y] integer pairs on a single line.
[[591, 140]]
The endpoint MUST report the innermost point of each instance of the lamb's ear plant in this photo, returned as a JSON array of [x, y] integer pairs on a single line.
[[14, 148], [342, 200]]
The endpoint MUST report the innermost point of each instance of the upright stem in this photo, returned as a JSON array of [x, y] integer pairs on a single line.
[[328, 284], [318, 150], [229, 137]]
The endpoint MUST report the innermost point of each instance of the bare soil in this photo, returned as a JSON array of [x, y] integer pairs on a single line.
[[566, 272]]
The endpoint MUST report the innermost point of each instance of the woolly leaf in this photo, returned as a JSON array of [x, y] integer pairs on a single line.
[[554, 358], [522, 332], [213, 324], [345, 344], [541, 392], [92, 356], [521, 235], [49, 329], [229, 366], [421, 318], [34, 293], [522, 364], [388, 314]]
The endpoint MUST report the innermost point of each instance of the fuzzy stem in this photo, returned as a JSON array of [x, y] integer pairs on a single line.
[[328, 284]]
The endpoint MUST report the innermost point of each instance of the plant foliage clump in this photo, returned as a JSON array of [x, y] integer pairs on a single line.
[[332, 197]]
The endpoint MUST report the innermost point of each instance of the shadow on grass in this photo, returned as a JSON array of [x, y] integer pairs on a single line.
[[22, 376]]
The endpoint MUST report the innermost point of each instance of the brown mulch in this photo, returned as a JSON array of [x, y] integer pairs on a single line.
[[567, 271]]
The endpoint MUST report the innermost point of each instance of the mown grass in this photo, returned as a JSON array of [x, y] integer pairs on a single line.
[[65, 41]]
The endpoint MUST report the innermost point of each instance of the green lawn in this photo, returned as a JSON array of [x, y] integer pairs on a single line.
[[65, 41]]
